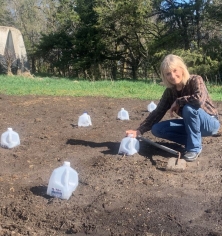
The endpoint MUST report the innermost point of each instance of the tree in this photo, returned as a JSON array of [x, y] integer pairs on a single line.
[[32, 18], [88, 46], [124, 25], [56, 49], [184, 21], [5, 14]]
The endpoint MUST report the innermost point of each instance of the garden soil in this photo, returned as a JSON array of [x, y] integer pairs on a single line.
[[116, 194]]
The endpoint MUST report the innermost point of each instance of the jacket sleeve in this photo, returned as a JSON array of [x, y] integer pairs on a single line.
[[155, 116], [198, 93]]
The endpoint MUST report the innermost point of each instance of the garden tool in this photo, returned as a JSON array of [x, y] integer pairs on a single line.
[[173, 164]]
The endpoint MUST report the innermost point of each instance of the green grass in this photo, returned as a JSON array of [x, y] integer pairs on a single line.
[[14, 85], [215, 92]]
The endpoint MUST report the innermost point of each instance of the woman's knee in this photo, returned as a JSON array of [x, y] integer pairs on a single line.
[[188, 111], [156, 130]]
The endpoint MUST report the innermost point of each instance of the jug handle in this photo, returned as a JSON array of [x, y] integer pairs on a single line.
[[131, 142], [66, 178], [10, 141]]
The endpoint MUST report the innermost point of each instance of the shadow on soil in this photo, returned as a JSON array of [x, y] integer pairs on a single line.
[[112, 146], [40, 191]]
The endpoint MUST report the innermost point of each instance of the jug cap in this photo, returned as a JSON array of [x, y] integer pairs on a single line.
[[66, 163], [152, 103], [9, 129]]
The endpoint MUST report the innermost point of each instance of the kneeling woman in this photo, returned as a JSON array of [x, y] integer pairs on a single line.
[[187, 96]]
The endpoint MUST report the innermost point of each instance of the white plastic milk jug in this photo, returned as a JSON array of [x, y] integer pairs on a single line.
[[84, 120], [123, 114], [10, 139], [129, 145], [151, 107], [63, 181]]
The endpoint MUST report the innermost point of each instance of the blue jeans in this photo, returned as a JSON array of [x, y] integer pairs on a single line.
[[196, 123]]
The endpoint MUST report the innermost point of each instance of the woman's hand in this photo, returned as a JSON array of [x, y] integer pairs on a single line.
[[174, 109], [134, 133]]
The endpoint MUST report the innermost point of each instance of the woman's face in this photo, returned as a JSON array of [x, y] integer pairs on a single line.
[[174, 75]]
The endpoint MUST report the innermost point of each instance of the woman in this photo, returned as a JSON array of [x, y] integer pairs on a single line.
[[186, 96]]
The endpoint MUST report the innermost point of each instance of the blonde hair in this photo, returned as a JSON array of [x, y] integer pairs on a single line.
[[169, 63]]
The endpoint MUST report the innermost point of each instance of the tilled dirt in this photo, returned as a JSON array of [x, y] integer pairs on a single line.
[[116, 195]]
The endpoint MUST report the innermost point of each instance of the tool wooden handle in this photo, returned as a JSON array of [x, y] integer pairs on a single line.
[[158, 145]]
